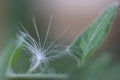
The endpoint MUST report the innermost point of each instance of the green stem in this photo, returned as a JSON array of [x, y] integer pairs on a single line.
[[37, 76]]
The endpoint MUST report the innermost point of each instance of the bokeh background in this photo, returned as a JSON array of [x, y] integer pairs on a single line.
[[79, 13]]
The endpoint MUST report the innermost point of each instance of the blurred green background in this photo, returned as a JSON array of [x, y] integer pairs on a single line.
[[79, 13]]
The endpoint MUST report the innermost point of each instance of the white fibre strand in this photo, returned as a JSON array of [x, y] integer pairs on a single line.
[[42, 54]]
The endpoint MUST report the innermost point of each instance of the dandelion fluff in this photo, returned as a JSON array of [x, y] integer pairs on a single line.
[[42, 54]]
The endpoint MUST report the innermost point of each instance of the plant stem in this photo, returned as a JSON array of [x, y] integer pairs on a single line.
[[37, 76]]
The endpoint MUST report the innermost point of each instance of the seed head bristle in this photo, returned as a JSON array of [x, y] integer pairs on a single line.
[[41, 54]]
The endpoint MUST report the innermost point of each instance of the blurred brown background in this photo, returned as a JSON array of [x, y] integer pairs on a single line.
[[79, 13]]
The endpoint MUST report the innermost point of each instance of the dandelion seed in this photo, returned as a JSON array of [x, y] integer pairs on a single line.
[[40, 54]]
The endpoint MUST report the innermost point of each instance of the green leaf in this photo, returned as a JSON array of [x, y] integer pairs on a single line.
[[5, 59], [84, 45], [20, 59], [8, 58]]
